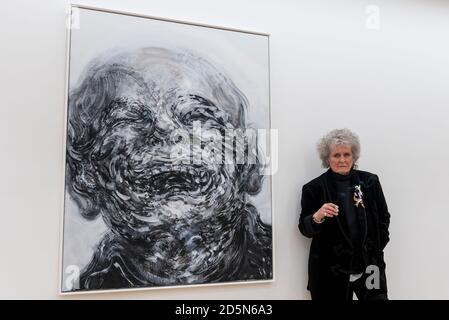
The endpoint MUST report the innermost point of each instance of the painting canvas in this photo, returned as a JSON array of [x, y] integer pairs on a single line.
[[164, 157]]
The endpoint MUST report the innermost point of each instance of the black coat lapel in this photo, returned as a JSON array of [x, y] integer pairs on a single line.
[[360, 209]]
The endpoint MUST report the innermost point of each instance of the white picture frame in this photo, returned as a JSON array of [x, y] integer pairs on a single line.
[[152, 64]]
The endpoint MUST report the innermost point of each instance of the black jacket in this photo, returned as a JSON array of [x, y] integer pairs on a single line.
[[331, 249]]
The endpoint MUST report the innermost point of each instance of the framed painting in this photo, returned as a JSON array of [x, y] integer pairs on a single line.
[[165, 162]]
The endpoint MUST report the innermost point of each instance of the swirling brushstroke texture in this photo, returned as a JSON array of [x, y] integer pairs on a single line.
[[171, 221]]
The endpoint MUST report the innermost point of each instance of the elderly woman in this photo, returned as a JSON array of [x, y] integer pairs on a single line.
[[345, 213]]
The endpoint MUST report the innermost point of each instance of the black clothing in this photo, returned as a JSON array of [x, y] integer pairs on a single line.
[[345, 201], [358, 287], [340, 248]]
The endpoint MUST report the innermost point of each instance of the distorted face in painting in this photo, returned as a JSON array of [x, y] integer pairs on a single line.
[[175, 217]]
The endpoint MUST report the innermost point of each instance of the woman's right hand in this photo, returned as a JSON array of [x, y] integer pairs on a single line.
[[328, 210]]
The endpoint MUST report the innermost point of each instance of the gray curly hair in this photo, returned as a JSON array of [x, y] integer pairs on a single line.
[[338, 137]]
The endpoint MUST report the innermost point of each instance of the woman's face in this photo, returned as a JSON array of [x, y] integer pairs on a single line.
[[340, 159]]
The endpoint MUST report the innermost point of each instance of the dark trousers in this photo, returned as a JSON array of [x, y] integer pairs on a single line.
[[362, 292], [345, 292]]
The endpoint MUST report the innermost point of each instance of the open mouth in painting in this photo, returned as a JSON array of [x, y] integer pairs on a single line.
[[167, 181]]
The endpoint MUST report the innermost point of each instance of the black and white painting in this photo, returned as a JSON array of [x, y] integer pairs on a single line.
[[164, 182]]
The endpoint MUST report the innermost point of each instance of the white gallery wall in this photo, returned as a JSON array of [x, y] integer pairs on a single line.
[[378, 67]]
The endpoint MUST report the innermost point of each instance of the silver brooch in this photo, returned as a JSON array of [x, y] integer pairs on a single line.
[[358, 200]]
